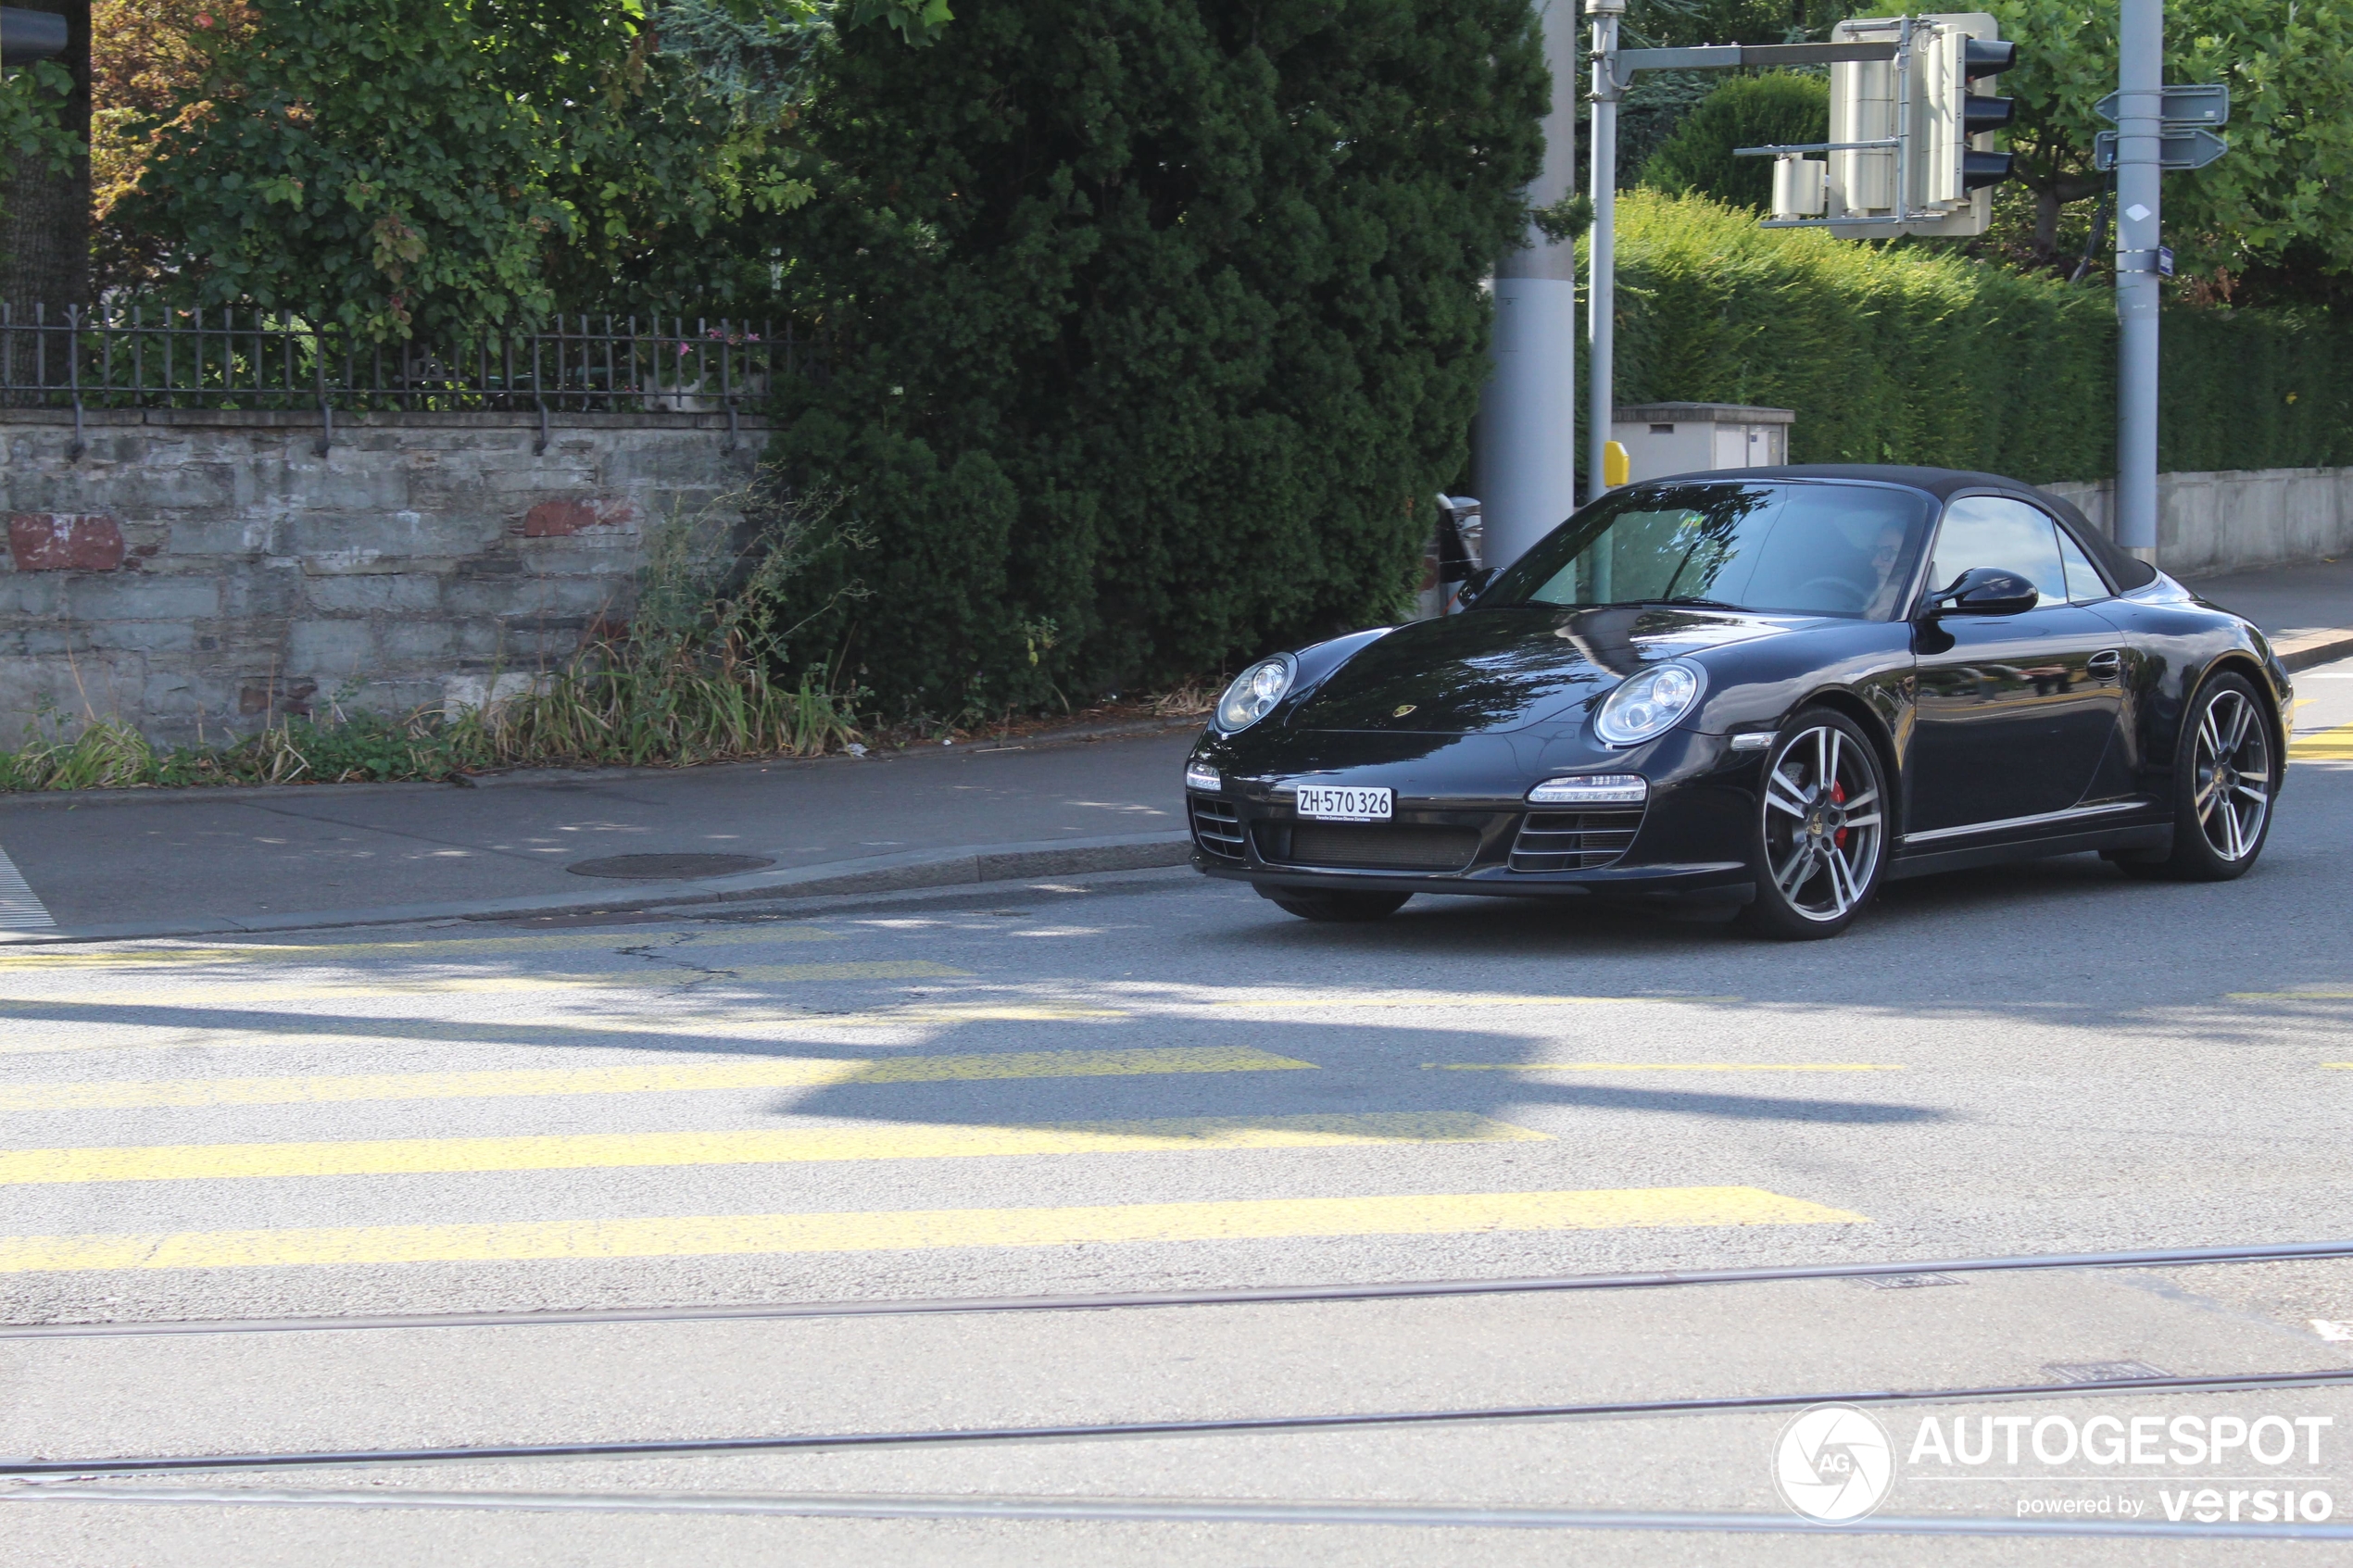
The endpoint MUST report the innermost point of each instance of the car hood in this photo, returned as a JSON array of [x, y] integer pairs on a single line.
[[1490, 670]]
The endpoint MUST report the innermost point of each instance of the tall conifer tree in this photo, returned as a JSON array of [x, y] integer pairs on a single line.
[[1161, 325]]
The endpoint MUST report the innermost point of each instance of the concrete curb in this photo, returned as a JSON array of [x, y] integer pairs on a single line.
[[962, 866], [1073, 736], [2314, 648]]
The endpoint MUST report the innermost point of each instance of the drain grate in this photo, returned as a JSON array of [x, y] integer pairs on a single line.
[[659, 868], [1907, 1282], [2102, 1372]]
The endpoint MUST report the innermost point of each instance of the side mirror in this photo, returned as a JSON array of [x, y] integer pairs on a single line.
[[1474, 585], [1985, 590]]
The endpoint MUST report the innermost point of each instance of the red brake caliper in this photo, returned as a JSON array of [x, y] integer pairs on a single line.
[[1838, 793]]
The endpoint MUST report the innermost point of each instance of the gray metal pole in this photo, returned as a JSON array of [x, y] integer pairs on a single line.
[[1601, 295], [1523, 455], [2140, 104]]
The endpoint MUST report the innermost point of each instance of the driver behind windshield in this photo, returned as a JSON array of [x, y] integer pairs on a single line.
[[1818, 548]]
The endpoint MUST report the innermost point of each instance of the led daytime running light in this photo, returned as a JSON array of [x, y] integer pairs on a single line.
[[1592, 789]]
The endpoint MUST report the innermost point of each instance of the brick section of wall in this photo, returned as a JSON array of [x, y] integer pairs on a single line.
[[198, 572], [64, 542]]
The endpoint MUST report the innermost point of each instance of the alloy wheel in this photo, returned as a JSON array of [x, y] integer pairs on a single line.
[[1822, 824], [2232, 774]]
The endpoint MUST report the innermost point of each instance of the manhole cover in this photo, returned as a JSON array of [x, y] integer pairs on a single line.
[[2102, 1372], [1907, 1282], [658, 867]]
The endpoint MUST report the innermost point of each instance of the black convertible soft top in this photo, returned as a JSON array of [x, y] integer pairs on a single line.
[[2122, 570]]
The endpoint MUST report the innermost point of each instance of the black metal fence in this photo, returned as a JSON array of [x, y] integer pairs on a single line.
[[149, 357]]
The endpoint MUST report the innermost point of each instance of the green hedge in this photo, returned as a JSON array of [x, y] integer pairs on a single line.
[[1914, 354], [2255, 389]]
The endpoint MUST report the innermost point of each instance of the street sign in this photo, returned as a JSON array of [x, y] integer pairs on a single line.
[[26, 36], [2175, 149], [2207, 104]]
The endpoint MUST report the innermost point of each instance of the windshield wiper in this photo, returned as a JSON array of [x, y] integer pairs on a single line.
[[1690, 602]]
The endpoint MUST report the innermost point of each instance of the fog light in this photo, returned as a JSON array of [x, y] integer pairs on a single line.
[[1592, 789], [1203, 779]]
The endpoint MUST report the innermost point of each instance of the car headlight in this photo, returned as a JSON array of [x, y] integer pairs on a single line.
[[1254, 694], [1650, 704]]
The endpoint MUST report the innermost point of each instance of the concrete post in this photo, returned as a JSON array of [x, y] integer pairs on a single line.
[[1523, 455], [2140, 104], [1601, 300]]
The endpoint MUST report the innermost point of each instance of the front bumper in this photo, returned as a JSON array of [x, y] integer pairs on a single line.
[[1688, 841]]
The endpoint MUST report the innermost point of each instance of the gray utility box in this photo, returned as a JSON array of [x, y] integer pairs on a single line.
[[1663, 438]]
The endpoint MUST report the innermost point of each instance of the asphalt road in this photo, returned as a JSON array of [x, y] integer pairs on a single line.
[[1151, 1083]]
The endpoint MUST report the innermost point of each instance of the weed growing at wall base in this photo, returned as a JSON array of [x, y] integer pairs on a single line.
[[599, 711]]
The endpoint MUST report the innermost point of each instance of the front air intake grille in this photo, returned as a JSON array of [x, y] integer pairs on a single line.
[[1382, 846], [1217, 828], [1573, 841]]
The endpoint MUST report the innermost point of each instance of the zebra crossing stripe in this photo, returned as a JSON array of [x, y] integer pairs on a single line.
[[772, 1072], [20, 909], [725, 1235], [760, 1147]]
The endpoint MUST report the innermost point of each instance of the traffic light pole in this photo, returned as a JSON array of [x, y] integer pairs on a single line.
[[1524, 453], [1601, 247], [2140, 104], [1612, 69]]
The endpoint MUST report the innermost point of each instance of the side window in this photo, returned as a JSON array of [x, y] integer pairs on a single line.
[[1996, 531], [2084, 583]]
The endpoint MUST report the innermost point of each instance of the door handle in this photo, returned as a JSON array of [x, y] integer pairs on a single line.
[[2106, 664]]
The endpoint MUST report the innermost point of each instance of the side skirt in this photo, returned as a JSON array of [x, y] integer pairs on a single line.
[[2145, 835]]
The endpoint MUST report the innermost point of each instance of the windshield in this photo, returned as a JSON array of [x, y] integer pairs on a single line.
[[1798, 548]]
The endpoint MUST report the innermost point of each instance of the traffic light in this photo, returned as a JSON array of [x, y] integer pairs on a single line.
[[1910, 121], [1957, 157], [26, 36]]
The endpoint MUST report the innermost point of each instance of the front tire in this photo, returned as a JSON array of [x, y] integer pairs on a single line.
[[1351, 907], [1820, 836], [2226, 772]]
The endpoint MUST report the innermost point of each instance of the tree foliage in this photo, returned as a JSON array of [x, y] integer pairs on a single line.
[[1659, 101], [436, 165], [1162, 322], [2285, 188], [391, 164], [148, 65], [1778, 108], [31, 99]]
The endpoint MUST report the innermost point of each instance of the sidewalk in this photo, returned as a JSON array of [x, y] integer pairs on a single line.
[[190, 862], [2305, 609]]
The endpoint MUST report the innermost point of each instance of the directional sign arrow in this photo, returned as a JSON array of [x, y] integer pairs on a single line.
[[2207, 104], [2175, 149]]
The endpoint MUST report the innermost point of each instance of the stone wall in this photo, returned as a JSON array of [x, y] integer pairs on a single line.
[[195, 573], [2209, 523]]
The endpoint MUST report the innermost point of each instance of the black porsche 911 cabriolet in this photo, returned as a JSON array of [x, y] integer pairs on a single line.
[[1773, 690]]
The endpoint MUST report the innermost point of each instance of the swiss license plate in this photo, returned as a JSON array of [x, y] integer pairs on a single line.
[[1338, 803]]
